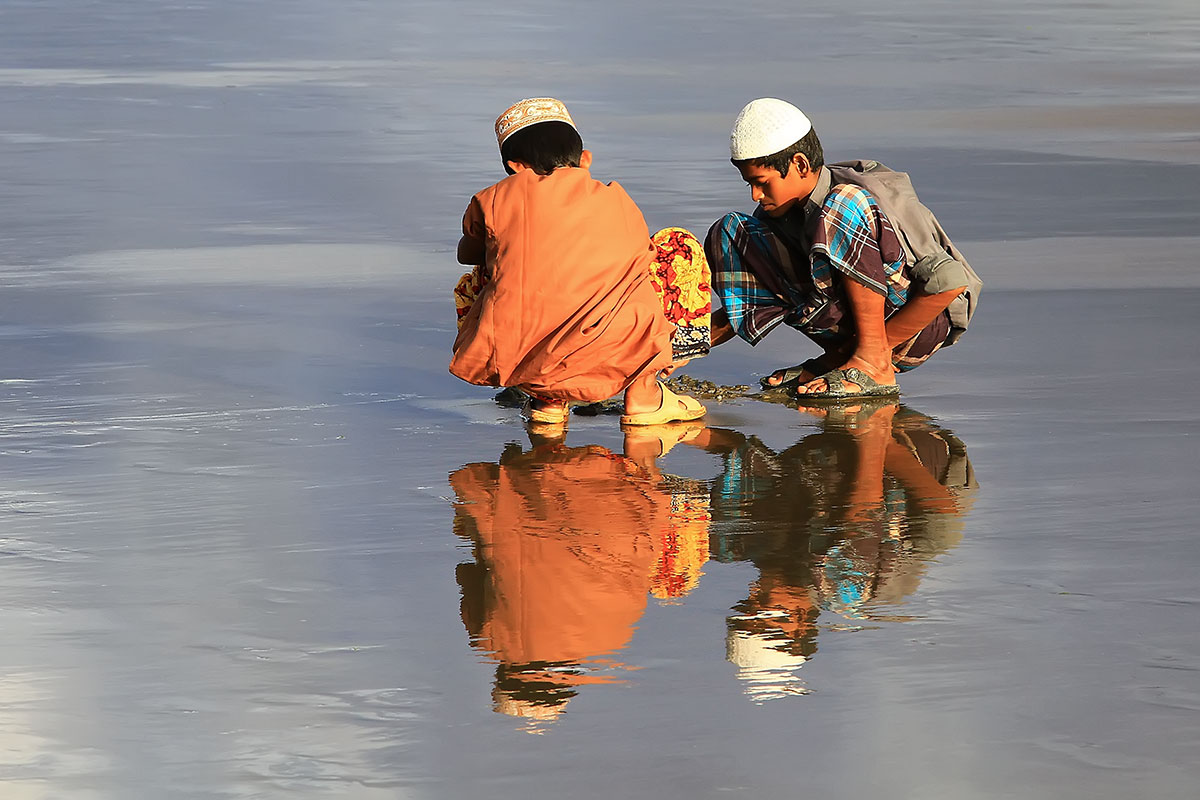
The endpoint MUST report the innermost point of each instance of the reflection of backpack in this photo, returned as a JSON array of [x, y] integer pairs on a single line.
[[937, 265]]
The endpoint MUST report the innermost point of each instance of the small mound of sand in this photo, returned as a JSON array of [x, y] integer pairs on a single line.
[[707, 390]]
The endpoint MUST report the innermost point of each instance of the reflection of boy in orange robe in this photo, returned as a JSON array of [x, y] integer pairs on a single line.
[[564, 558]]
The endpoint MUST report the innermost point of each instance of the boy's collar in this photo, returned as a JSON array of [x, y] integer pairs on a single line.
[[817, 199]]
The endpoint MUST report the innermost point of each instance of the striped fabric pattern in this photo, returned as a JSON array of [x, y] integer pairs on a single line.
[[854, 238], [752, 266]]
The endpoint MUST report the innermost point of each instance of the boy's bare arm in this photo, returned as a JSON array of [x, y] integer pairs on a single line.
[[721, 330], [911, 318], [471, 252]]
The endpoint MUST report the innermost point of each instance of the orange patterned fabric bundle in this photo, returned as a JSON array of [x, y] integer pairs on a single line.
[[680, 276], [466, 290]]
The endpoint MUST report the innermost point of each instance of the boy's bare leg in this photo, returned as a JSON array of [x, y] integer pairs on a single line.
[[720, 331], [868, 356], [872, 353], [920, 310], [643, 395], [830, 359]]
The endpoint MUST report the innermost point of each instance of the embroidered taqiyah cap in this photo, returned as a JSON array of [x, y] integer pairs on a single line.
[[528, 112], [766, 126]]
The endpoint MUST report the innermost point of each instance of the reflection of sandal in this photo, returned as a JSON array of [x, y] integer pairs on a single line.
[[836, 389], [553, 414], [790, 378], [666, 436], [672, 408], [543, 435], [850, 415]]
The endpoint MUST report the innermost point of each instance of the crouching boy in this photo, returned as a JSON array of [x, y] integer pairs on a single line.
[[565, 311], [821, 257]]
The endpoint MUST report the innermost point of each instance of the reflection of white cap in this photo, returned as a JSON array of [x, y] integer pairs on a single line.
[[527, 709], [766, 126], [768, 670]]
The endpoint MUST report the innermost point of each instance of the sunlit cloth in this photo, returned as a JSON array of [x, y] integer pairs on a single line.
[[568, 312], [466, 290], [766, 272], [680, 276], [682, 542]]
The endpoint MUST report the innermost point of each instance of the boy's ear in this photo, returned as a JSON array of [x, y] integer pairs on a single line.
[[585, 159], [800, 162], [517, 166]]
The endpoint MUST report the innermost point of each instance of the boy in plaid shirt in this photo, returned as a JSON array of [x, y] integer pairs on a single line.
[[822, 258]]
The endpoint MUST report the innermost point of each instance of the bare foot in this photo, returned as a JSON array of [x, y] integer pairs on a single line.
[[787, 375], [805, 372], [643, 395], [669, 370]]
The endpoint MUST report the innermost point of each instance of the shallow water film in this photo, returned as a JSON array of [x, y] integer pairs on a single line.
[[257, 543]]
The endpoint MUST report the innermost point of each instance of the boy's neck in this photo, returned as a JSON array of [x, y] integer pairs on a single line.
[[807, 186], [820, 188]]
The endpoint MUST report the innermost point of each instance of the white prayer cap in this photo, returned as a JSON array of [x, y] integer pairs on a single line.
[[766, 126]]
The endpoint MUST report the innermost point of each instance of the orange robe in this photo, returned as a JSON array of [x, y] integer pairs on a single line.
[[569, 312]]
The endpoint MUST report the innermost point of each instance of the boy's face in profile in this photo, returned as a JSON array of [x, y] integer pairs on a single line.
[[774, 192]]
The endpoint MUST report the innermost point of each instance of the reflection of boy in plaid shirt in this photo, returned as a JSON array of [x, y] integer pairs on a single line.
[[821, 258]]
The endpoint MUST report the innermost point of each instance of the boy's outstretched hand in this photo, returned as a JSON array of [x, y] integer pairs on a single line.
[[471, 252]]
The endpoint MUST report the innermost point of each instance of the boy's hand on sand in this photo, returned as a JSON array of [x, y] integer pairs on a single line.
[[667, 371]]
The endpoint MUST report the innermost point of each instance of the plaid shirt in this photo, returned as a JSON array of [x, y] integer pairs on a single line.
[[771, 270]]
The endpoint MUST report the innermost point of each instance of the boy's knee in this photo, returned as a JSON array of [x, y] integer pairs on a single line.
[[722, 235], [726, 228]]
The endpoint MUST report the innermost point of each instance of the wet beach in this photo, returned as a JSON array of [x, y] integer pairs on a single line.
[[259, 543]]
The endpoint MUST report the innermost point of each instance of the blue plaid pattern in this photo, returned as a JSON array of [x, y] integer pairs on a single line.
[[854, 228], [754, 306], [762, 281]]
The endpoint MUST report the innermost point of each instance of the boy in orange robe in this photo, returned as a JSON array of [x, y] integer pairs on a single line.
[[567, 312]]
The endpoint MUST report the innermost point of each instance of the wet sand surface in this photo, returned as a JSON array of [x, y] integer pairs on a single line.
[[258, 543]]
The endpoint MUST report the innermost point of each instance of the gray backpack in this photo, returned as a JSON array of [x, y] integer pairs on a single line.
[[937, 265]]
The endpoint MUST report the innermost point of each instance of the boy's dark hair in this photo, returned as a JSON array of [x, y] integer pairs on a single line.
[[781, 162], [544, 146]]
